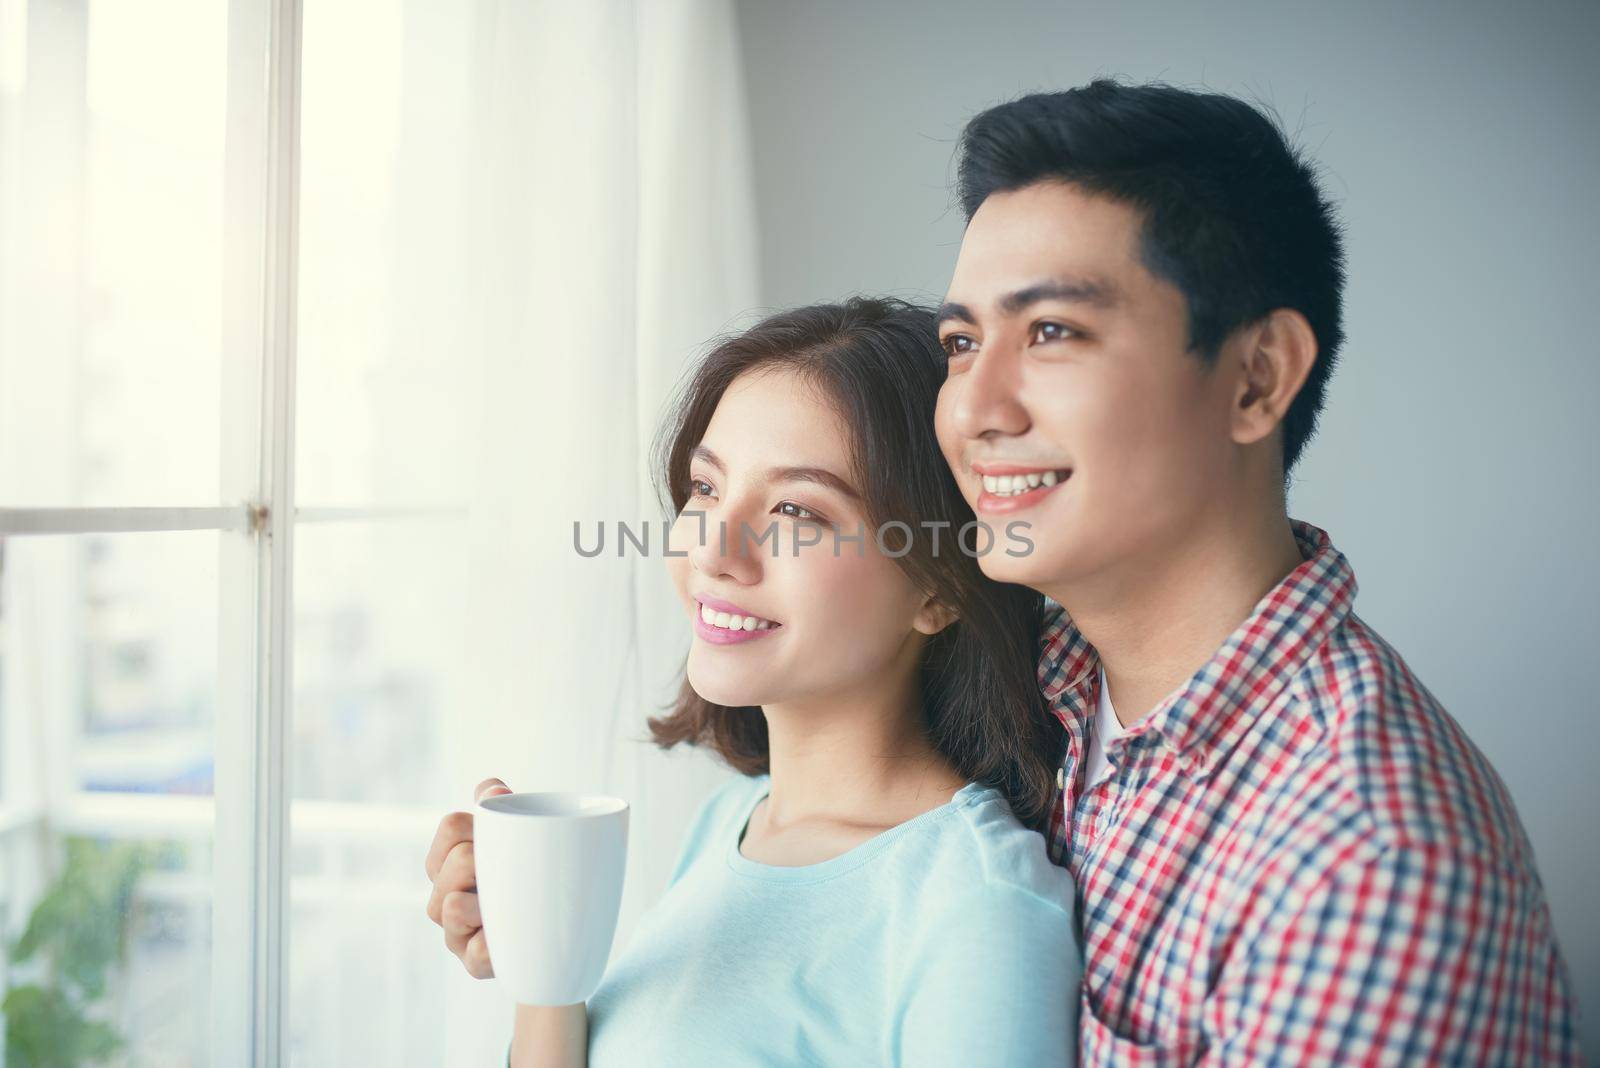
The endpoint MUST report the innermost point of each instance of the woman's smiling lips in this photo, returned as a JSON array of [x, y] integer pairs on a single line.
[[1013, 487], [725, 623]]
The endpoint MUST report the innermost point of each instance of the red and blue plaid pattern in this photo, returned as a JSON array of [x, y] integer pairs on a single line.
[[1301, 859]]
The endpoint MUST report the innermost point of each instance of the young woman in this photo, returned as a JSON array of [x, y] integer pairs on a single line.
[[873, 889]]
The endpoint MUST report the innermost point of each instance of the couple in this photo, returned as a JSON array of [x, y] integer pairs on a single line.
[[1119, 775]]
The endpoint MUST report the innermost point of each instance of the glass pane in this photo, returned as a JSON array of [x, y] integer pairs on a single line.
[[365, 982], [111, 175], [386, 279], [374, 638], [108, 684], [385, 347], [149, 663], [376, 618]]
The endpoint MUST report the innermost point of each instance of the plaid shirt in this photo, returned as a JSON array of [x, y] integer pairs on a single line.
[[1300, 858]]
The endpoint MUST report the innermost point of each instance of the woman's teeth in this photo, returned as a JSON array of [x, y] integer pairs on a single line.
[[727, 621], [1012, 485]]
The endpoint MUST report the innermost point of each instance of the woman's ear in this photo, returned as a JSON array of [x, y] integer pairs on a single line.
[[933, 616], [1275, 362]]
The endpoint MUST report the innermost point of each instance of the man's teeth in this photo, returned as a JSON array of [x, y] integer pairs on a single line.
[[728, 621], [1012, 485]]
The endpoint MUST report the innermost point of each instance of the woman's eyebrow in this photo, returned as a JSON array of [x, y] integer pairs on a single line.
[[820, 476], [700, 452]]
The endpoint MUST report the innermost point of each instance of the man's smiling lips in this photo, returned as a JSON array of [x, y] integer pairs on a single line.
[[1013, 487]]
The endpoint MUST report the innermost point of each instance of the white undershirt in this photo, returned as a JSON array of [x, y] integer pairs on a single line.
[[1107, 728]]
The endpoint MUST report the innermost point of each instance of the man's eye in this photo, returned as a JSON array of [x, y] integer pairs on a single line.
[[1043, 332], [798, 512], [958, 345]]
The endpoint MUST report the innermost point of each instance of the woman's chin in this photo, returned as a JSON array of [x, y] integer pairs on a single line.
[[730, 693]]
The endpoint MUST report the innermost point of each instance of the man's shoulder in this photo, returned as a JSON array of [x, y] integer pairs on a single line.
[[1408, 775]]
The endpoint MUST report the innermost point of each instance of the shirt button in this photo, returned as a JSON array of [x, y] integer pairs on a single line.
[[1061, 778]]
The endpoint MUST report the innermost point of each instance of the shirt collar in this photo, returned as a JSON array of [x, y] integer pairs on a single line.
[[1068, 671], [1209, 713]]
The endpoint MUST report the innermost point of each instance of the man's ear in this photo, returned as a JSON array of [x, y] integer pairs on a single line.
[[933, 617], [1277, 355]]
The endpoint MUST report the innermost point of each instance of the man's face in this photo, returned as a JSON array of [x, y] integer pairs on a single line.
[[1070, 373]]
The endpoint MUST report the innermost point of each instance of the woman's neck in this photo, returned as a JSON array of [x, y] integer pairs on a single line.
[[858, 758]]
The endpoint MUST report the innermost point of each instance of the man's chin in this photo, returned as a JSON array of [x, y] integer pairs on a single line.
[[1032, 569], [1005, 568]]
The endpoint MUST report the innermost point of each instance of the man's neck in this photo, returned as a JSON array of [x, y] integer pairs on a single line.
[[1154, 622]]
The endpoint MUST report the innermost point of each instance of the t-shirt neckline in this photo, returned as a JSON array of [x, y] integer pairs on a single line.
[[851, 858]]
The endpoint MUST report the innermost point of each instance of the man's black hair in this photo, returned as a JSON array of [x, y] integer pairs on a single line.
[[1232, 212]]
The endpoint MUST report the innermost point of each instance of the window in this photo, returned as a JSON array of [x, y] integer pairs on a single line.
[[269, 601], [222, 440]]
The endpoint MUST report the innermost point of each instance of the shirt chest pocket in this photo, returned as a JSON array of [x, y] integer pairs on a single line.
[[1101, 1044]]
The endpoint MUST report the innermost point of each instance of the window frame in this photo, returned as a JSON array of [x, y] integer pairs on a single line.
[[248, 817]]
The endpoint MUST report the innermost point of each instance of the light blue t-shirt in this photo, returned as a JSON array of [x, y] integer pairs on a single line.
[[946, 940]]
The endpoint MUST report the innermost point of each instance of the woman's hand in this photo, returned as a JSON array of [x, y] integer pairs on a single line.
[[453, 871]]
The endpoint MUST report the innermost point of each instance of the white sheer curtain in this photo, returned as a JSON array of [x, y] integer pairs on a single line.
[[619, 236]]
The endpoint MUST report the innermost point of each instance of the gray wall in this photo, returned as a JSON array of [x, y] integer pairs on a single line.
[[1457, 461]]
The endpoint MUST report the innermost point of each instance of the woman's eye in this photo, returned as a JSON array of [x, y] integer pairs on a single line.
[[1043, 332], [699, 487], [795, 511], [958, 345]]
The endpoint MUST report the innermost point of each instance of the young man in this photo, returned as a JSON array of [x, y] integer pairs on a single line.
[[1286, 851]]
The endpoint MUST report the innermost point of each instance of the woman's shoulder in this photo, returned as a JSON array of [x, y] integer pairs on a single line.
[[983, 844], [732, 800], [989, 934], [719, 819]]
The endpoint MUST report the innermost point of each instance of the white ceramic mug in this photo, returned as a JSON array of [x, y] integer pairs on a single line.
[[550, 869]]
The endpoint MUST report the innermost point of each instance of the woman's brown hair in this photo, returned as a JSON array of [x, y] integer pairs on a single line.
[[880, 363]]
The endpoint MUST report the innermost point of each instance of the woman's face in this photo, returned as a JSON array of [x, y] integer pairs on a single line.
[[824, 617]]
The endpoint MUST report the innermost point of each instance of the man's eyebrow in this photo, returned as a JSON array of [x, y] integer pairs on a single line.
[[1093, 292], [820, 476]]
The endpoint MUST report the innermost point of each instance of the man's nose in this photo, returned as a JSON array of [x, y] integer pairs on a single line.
[[987, 399]]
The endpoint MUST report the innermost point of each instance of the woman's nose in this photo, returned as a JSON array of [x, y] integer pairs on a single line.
[[722, 549]]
